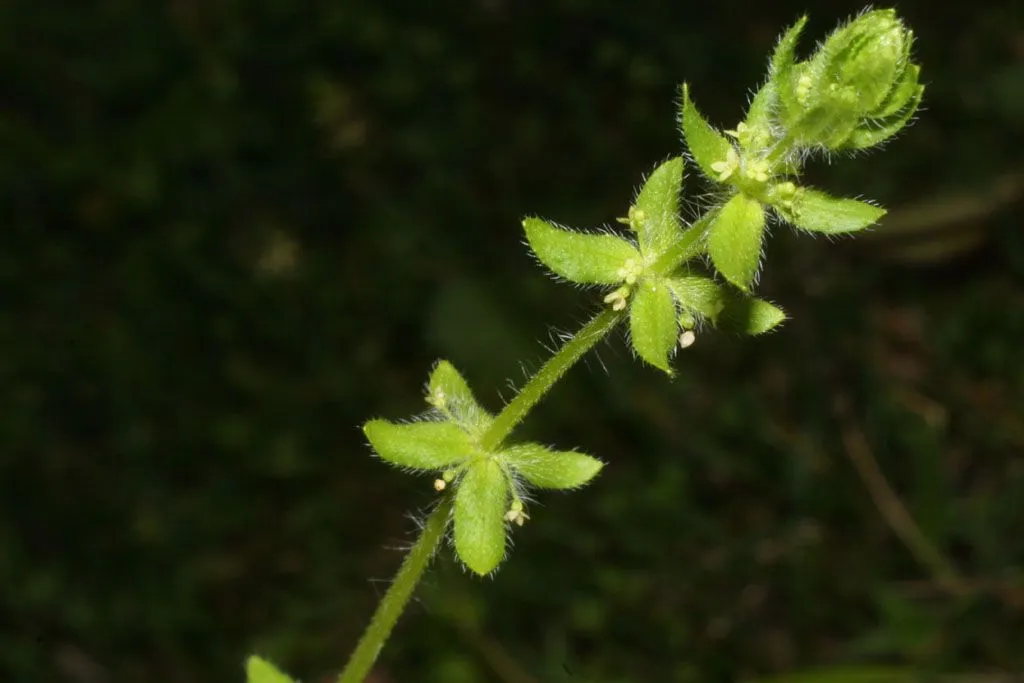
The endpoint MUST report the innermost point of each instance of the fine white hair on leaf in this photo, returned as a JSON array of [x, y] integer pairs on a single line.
[[636, 356], [751, 93], [604, 229], [647, 176], [637, 188], [552, 274]]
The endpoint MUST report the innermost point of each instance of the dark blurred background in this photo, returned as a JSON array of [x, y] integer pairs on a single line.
[[234, 231]]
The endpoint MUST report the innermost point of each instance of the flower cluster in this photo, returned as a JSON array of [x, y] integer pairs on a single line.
[[859, 89]]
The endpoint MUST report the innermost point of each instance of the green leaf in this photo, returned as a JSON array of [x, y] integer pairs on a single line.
[[652, 323], [419, 445], [725, 308], [707, 145], [879, 130], [784, 56], [734, 244], [579, 257], [659, 202], [781, 70], [480, 505], [449, 393], [550, 469], [700, 295], [749, 315], [259, 670], [901, 94], [818, 212]]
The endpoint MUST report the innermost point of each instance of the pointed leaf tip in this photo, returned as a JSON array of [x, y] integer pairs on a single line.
[[448, 383], [652, 324], [750, 315], [707, 146], [784, 55], [550, 469], [480, 506], [818, 212], [449, 393], [259, 670], [658, 204]]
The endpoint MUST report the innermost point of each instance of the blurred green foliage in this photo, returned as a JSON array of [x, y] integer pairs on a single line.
[[235, 231]]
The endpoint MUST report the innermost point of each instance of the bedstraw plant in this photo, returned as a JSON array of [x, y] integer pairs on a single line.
[[666, 280]]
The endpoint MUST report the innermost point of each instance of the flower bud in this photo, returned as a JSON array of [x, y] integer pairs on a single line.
[[858, 89]]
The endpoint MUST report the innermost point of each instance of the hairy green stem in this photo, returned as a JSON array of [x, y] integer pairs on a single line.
[[548, 375], [395, 600]]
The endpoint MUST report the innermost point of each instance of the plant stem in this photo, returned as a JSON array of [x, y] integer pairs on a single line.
[[691, 245], [394, 601], [779, 150], [548, 375]]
